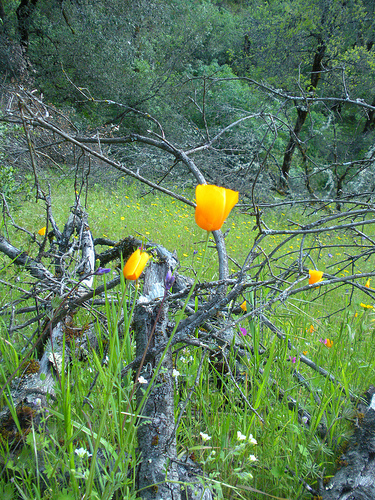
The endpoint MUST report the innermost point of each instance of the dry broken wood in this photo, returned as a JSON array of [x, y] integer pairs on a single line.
[[356, 479], [32, 391], [35, 386], [160, 474]]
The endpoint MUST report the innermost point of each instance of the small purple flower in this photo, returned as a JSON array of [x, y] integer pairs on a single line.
[[102, 270], [169, 280], [195, 252], [330, 255], [293, 359], [243, 330]]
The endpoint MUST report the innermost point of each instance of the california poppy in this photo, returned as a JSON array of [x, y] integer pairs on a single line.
[[135, 264], [243, 306], [42, 231], [315, 276], [213, 205], [327, 342]]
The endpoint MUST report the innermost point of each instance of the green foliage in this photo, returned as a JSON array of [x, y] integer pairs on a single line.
[[224, 97], [8, 185], [129, 55], [177, 61], [11, 185]]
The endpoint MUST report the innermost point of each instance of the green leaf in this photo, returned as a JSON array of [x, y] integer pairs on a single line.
[[277, 471]]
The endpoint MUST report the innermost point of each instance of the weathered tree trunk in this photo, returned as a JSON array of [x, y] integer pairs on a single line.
[[37, 379], [156, 438], [160, 474], [356, 479]]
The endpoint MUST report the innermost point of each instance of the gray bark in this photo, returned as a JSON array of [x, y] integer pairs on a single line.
[[160, 475], [356, 479], [21, 258], [158, 470], [33, 390]]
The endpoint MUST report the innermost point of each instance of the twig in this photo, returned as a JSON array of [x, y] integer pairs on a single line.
[[238, 387]]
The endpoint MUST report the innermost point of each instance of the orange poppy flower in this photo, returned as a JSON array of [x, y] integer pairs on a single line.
[[243, 306], [315, 276], [327, 342], [42, 231], [213, 205], [135, 264]]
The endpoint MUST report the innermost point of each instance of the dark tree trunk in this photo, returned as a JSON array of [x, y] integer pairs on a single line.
[[288, 155], [24, 14], [339, 188], [302, 113]]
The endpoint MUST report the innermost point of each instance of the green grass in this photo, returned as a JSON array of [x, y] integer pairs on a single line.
[[286, 450]]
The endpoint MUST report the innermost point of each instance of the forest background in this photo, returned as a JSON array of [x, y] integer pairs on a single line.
[[112, 102]]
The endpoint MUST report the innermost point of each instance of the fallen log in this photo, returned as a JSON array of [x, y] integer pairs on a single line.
[[356, 479], [160, 475]]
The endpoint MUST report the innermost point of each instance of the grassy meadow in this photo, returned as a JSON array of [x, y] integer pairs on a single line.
[[241, 456]]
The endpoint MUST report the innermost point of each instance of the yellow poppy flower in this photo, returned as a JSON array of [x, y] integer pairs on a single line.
[[135, 264], [243, 306], [214, 204], [315, 276], [367, 285], [42, 231]]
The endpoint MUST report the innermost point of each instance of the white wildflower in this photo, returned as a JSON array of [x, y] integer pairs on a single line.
[[175, 373], [204, 436], [82, 453], [240, 436], [252, 458], [142, 380], [252, 440]]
